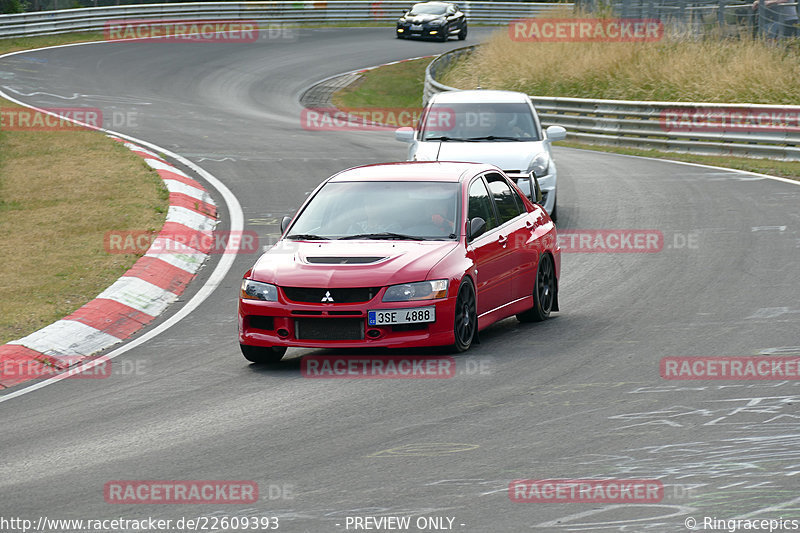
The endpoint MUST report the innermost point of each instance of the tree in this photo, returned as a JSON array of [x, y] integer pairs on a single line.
[[11, 6]]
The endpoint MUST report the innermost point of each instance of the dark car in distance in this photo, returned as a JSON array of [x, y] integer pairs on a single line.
[[433, 20]]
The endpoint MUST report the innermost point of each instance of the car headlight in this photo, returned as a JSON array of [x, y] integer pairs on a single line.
[[423, 290], [255, 290], [540, 165]]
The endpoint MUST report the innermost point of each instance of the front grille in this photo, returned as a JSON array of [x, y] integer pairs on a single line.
[[339, 296], [329, 329]]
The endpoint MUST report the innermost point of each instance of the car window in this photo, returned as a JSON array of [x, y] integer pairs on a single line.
[[427, 210], [427, 9], [480, 204], [480, 121], [506, 200]]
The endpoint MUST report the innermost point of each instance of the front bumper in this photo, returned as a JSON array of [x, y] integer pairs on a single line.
[[430, 32], [548, 185], [280, 324]]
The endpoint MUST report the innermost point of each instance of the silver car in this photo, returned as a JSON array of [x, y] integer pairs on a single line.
[[500, 128]]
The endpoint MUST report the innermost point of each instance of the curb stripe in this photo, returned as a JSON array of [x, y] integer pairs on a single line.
[[19, 362], [198, 206], [67, 338], [139, 294], [201, 241], [179, 187], [161, 274], [111, 317], [189, 261]]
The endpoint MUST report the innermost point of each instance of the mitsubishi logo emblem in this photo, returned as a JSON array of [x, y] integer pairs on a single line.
[[327, 297]]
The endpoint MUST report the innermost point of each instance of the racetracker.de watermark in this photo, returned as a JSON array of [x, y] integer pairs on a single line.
[[65, 119], [746, 119], [374, 118], [388, 367], [50, 119], [178, 241], [550, 30], [586, 490], [176, 492], [620, 241], [730, 368], [182, 31], [71, 366]]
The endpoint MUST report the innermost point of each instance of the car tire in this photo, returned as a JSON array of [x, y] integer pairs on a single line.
[[263, 355], [463, 33], [445, 34], [399, 35], [465, 324], [544, 292]]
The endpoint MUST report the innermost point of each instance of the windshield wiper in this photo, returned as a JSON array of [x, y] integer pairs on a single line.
[[496, 138], [444, 138], [307, 237], [387, 235]]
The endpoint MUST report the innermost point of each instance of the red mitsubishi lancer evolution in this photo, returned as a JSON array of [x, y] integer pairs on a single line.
[[402, 255]]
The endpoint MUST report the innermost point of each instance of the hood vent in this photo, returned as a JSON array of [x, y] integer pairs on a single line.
[[331, 260]]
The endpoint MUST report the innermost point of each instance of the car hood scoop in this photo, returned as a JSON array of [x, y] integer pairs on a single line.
[[342, 260], [335, 264]]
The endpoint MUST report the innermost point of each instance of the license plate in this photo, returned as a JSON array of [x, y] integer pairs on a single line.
[[416, 27], [412, 315]]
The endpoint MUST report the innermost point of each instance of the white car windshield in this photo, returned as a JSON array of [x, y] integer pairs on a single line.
[[403, 210], [502, 122]]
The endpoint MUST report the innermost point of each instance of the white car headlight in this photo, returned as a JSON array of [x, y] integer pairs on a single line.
[[423, 290], [256, 290], [540, 165]]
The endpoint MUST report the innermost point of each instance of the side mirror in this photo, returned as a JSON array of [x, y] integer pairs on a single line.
[[476, 226], [555, 133], [285, 221], [405, 134]]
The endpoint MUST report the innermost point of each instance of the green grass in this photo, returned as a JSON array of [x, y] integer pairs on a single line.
[[392, 86], [26, 43]]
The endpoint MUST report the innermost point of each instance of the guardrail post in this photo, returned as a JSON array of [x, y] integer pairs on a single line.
[[721, 16]]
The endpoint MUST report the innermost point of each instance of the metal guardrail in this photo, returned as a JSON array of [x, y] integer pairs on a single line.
[[648, 125], [282, 11]]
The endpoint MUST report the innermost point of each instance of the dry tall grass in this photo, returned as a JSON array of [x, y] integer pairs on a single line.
[[712, 70]]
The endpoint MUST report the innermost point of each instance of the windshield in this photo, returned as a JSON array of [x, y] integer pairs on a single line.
[[479, 122], [428, 9], [403, 210]]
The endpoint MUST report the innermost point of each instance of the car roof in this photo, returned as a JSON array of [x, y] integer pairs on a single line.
[[432, 3], [480, 96], [451, 171]]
